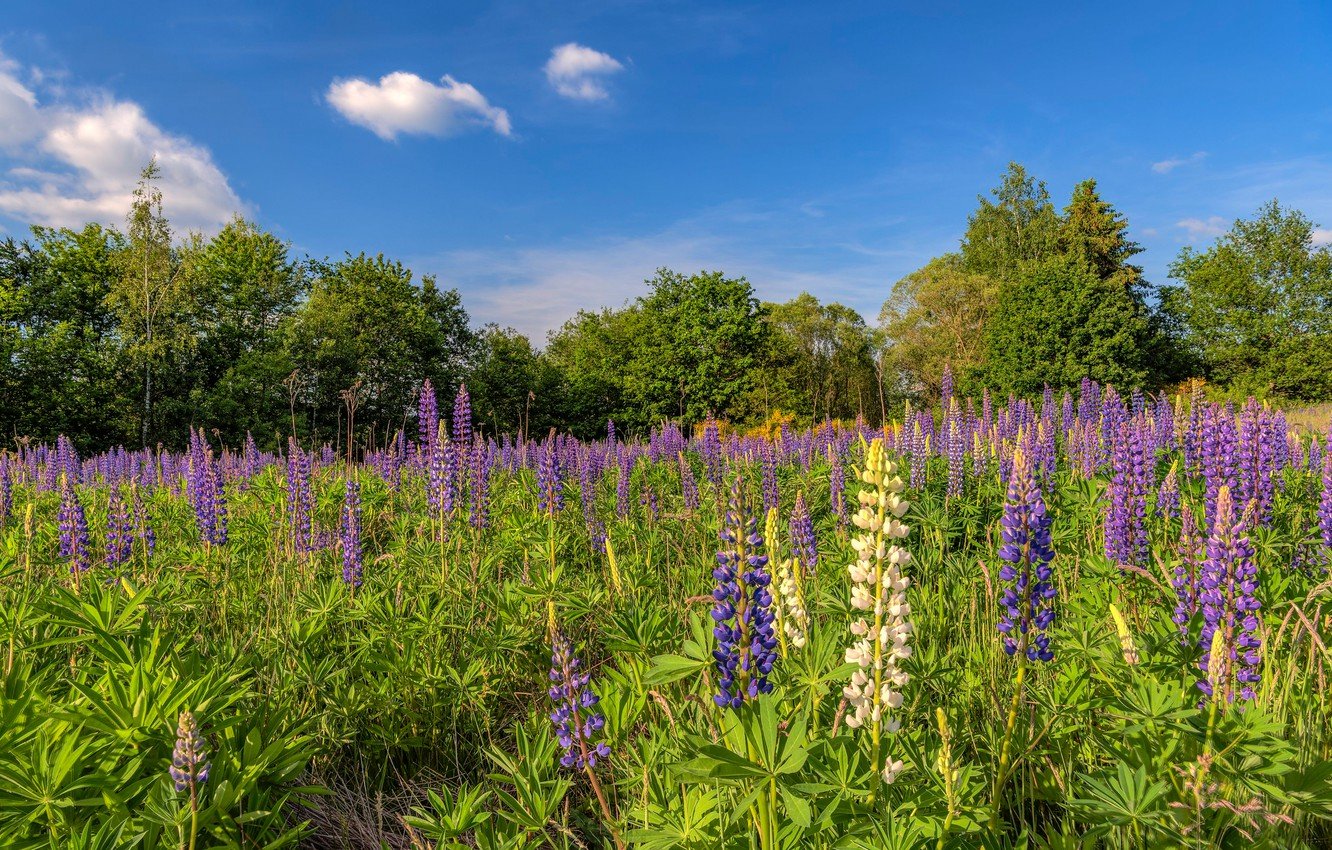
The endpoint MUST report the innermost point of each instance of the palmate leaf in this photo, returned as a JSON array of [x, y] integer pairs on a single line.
[[1123, 798]]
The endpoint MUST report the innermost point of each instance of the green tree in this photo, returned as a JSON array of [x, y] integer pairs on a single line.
[[703, 336], [151, 297], [820, 361], [936, 318], [591, 354], [513, 388], [1256, 307], [247, 288], [1018, 227], [57, 337]]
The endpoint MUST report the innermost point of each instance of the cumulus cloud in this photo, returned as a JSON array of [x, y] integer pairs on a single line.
[[402, 102], [71, 161], [1200, 229], [579, 72], [1322, 236], [1166, 166]]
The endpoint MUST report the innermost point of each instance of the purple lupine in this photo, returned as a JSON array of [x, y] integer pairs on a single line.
[[955, 447], [1167, 496], [119, 531], [575, 719], [768, 463], [351, 532], [207, 494], [804, 543], [189, 758], [74, 545], [746, 643], [623, 478], [1227, 596], [1217, 456], [300, 499], [1028, 597], [462, 425], [1188, 568], [427, 420], [550, 492], [688, 486], [6, 489], [482, 461], [441, 477], [711, 450], [1325, 502]]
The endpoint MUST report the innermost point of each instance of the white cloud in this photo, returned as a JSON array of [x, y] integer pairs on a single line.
[[73, 161], [579, 72], [402, 102], [1166, 166], [1199, 229], [1322, 236]]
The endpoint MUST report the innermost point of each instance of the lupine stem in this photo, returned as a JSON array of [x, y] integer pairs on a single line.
[[1005, 752]]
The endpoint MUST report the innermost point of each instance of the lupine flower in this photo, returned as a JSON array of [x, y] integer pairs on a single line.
[[142, 528], [956, 448], [427, 419], [769, 464], [878, 590], [1188, 566], [1167, 497], [792, 618], [1229, 605], [623, 478], [746, 645], [576, 722], [300, 498], [73, 529], [189, 759], [1325, 502], [119, 531], [804, 544], [462, 425], [837, 485], [482, 461], [550, 492], [1028, 597], [6, 489], [351, 533], [688, 486]]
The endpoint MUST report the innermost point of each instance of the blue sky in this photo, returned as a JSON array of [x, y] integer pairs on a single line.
[[543, 157]]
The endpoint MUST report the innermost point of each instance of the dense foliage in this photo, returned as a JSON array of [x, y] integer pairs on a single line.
[[1091, 621], [133, 338]]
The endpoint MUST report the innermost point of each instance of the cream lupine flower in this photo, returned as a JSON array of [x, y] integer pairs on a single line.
[[792, 618], [879, 591]]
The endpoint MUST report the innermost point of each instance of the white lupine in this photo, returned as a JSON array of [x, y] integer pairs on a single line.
[[791, 615], [878, 587]]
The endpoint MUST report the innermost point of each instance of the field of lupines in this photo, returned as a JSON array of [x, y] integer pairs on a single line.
[[1087, 621]]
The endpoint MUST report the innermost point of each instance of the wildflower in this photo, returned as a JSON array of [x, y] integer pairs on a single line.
[[427, 419], [73, 528], [351, 533], [1325, 503], [804, 545], [1229, 605], [189, 759], [462, 425], [119, 531], [792, 618], [1167, 497], [576, 723], [746, 644], [878, 590], [550, 493], [1027, 599], [1188, 564], [482, 461], [688, 485]]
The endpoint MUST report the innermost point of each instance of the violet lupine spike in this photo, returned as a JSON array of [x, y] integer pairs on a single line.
[[119, 531], [1188, 567], [837, 485], [804, 543], [623, 479], [427, 419], [550, 491], [1028, 597], [74, 543], [688, 485], [746, 642], [1228, 598], [1167, 496], [189, 758], [6, 489], [1325, 503], [482, 462], [462, 424], [955, 447], [576, 721], [351, 532], [768, 463]]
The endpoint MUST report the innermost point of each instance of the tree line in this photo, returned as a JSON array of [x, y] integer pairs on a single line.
[[130, 337]]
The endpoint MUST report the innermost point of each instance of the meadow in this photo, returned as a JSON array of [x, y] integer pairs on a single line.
[[1067, 622]]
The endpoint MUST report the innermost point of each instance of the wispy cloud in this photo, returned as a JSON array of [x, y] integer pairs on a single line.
[[1197, 228], [579, 72], [75, 157], [1166, 166], [1322, 236], [404, 103]]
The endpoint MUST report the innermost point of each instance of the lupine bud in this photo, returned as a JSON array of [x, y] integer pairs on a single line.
[[575, 720], [189, 759]]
